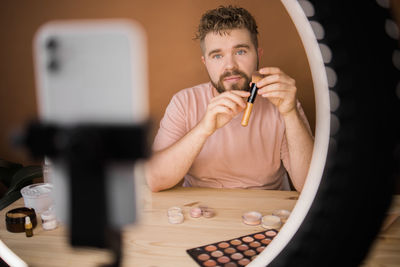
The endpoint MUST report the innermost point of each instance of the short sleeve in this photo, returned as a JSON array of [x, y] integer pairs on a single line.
[[173, 124]]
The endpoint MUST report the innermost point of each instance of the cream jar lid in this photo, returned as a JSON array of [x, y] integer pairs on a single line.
[[271, 222], [208, 213], [175, 218], [175, 215], [252, 217], [174, 210], [281, 213]]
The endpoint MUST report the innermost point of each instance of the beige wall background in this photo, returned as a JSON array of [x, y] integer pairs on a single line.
[[174, 58]]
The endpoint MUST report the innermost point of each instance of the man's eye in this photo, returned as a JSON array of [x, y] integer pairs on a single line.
[[241, 52], [217, 56]]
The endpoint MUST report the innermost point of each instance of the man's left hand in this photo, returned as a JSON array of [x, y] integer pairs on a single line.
[[279, 88]]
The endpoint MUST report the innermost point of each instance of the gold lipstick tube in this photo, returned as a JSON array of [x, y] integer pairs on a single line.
[[249, 106], [253, 93]]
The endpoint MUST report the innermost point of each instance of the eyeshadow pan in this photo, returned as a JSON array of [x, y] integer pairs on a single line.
[[237, 256], [259, 236], [217, 253], [210, 263], [229, 250], [211, 248], [224, 244], [203, 257], [230, 264], [260, 249], [255, 244], [266, 241], [270, 233], [244, 262], [223, 259], [249, 253], [236, 242], [248, 239], [242, 247]]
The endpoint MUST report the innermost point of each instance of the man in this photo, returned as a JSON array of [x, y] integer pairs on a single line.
[[201, 138]]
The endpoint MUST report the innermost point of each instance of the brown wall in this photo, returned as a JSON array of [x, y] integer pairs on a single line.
[[174, 58]]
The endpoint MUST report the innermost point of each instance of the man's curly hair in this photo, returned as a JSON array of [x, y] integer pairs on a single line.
[[223, 19]]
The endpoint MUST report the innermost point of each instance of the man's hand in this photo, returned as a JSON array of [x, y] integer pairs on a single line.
[[279, 88], [222, 109]]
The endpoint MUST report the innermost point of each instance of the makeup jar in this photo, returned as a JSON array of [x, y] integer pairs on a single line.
[[283, 214], [252, 218], [271, 222], [49, 220], [175, 215], [196, 212], [208, 213], [15, 219], [174, 210]]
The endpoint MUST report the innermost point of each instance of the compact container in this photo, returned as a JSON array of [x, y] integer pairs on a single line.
[[173, 211], [252, 218], [271, 222], [49, 220], [175, 215], [38, 196], [196, 212], [281, 213], [208, 212], [15, 219]]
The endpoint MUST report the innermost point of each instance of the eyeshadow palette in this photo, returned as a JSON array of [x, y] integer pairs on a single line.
[[234, 252]]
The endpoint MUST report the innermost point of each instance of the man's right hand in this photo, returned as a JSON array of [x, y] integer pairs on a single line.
[[222, 109]]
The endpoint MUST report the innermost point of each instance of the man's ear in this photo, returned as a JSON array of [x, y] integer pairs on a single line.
[[203, 60], [260, 53]]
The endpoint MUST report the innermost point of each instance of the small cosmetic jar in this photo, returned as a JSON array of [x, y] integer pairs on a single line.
[[175, 215], [174, 210], [271, 222], [195, 212], [283, 214], [49, 220], [15, 219], [252, 218], [38, 196], [208, 213]]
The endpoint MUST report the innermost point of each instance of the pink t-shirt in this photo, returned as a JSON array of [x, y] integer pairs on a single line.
[[234, 156]]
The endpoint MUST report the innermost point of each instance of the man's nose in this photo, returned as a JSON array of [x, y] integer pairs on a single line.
[[230, 62]]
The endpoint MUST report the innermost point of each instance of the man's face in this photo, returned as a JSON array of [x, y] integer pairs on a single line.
[[230, 59]]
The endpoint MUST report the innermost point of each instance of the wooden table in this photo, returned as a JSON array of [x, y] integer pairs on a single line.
[[385, 251], [155, 242]]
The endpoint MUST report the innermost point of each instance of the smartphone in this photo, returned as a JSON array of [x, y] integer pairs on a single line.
[[92, 72]]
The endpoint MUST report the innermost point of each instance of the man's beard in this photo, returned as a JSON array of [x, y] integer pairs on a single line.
[[220, 85]]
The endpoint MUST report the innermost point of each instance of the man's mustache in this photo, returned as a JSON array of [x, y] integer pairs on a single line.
[[232, 73]]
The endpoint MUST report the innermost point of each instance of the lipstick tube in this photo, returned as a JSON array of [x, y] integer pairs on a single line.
[[249, 106]]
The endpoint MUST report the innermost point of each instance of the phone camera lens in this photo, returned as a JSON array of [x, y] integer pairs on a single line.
[[53, 65], [52, 44]]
